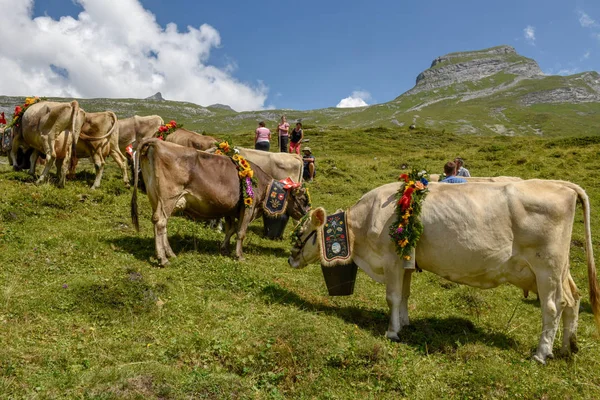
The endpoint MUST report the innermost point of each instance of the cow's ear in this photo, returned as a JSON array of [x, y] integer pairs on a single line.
[[317, 217]]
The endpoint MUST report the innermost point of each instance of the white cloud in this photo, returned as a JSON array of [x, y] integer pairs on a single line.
[[586, 21], [115, 48], [358, 98], [586, 55], [529, 34]]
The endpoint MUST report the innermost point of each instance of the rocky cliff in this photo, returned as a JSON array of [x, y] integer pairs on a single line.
[[499, 71]]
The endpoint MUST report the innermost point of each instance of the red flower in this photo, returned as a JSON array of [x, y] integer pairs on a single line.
[[18, 110], [161, 137], [403, 177], [163, 128], [406, 198], [172, 122]]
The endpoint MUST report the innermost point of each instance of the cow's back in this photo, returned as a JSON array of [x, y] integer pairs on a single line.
[[278, 165], [184, 137], [476, 233]]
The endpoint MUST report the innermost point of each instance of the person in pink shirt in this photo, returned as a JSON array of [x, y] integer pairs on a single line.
[[284, 136], [262, 137]]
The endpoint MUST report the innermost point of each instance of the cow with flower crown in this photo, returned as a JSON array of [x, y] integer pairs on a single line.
[[207, 186], [482, 234]]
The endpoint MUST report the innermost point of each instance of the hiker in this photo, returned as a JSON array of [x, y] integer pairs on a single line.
[[283, 128], [262, 137], [460, 170], [450, 172], [296, 139], [309, 164]]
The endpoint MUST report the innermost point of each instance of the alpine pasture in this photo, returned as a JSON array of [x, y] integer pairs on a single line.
[[85, 311]]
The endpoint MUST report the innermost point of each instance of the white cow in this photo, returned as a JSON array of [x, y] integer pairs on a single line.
[[278, 165], [479, 234]]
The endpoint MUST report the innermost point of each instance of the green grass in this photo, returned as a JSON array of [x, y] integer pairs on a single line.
[[86, 313]]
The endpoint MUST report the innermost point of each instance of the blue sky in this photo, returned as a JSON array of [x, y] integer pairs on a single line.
[[312, 54]]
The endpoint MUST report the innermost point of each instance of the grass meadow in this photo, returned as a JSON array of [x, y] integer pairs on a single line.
[[85, 312]]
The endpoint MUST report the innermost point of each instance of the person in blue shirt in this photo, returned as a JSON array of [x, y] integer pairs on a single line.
[[450, 172]]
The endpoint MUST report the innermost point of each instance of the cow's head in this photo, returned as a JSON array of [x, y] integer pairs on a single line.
[[299, 202], [305, 246]]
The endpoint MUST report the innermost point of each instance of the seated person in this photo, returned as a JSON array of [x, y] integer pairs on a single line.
[[309, 164], [460, 170], [450, 172]]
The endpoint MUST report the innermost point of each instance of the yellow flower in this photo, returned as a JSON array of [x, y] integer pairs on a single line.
[[406, 216], [248, 201], [30, 100], [246, 173], [403, 243], [219, 152], [235, 157], [223, 145], [407, 258], [169, 125], [410, 183]]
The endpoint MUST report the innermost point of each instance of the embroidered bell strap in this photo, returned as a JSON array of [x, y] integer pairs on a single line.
[[335, 240], [276, 199]]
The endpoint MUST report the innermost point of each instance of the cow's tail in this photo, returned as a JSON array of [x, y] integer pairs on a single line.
[[592, 278], [134, 206], [74, 130]]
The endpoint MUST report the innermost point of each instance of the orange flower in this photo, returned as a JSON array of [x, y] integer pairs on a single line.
[[248, 201], [407, 258], [419, 186]]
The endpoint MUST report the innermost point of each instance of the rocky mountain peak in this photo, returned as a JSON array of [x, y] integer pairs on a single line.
[[474, 66], [157, 96]]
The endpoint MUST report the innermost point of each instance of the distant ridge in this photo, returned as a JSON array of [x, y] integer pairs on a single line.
[[156, 96], [221, 106], [494, 91]]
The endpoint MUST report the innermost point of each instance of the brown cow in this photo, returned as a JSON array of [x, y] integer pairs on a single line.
[[136, 129], [53, 129], [100, 138], [186, 138], [203, 186]]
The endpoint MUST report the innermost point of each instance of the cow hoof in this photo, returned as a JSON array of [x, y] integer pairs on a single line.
[[16, 168], [541, 359], [393, 336]]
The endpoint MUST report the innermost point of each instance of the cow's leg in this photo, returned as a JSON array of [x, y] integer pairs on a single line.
[[33, 161], [16, 143], [99, 166], [73, 166], [160, 219], [570, 317], [394, 276], [243, 222], [229, 231], [404, 321], [48, 145], [549, 292], [121, 162]]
